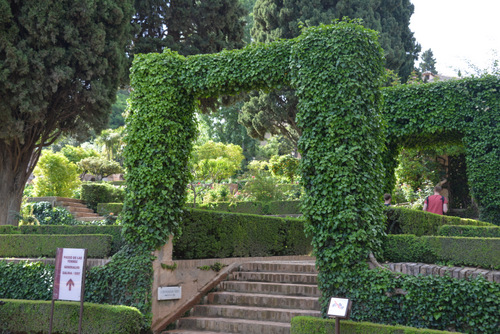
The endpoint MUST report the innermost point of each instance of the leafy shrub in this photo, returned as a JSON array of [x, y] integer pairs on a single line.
[[48, 215], [94, 193], [55, 176], [256, 208], [26, 280]]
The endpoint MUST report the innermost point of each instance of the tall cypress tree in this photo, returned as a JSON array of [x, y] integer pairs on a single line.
[[428, 63], [274, 19], [188, 26], [60, 64]]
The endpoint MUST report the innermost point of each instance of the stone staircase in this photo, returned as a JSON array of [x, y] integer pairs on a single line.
[[261, 298], [77, 208]]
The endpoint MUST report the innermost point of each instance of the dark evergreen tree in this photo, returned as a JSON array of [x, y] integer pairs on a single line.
[[274, 19], [188, 26], [60, 64], [428, 63]]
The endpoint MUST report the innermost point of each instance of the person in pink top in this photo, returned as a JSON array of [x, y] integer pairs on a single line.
[[436, 203]]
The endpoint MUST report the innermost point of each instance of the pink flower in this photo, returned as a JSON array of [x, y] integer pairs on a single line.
[[253, 176]]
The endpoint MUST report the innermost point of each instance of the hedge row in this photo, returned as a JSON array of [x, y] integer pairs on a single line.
[[469, 231], [257, 208], [114, 231], [408, 221], [307, 325], [36, 245], [208, 234], [25, 316], [481, 252]]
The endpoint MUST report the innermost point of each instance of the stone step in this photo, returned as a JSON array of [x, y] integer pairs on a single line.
[[89, 219], [85, 214], [234, 325], [252, 276], [285, 266], [250, 313], [188, 331], [78, 209], [264, 300], [310, 290]]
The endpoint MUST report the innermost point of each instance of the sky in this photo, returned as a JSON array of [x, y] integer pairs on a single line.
[[458, 32]]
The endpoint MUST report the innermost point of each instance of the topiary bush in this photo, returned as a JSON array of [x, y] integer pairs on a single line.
[[94, 193]]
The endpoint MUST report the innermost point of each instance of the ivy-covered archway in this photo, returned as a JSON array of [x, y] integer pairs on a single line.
[[467, 111], [337, 71]]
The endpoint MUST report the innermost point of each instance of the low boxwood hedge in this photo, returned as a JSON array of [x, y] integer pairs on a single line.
[[257, 208], [27, 316], [37, 245], [469, 231], [308, 325], [209, 234], [476, 252], [115, 231], [409, 221]]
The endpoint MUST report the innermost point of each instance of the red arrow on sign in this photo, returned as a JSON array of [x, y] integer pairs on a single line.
[[70, 283]]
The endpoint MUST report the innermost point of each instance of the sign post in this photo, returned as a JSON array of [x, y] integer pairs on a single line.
[[339, 308], [69, 279]]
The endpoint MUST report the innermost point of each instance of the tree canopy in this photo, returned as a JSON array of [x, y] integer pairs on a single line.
[[274, 19], [60, 65], [188, 26], [428, 63]]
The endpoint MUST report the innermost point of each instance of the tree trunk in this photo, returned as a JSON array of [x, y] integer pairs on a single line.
[[16, 164]]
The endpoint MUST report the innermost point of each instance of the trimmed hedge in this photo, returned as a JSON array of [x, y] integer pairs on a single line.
[[481, 252], [25, 316], [94, 193], [104, 209], [115, 231], [256, 208], [308, 325], [407, 248], [19, 245], [409, 221], [9, 229], [208, 234], [469, 231]]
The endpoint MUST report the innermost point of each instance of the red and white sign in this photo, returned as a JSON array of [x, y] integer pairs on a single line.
[[69, 274]]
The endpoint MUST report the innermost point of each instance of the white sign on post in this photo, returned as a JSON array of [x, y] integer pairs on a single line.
[[338, 307], [69, 274]]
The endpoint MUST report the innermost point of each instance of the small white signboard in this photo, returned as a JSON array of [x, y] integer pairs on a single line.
[[69, 274], [169, 292], [338, 307]]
